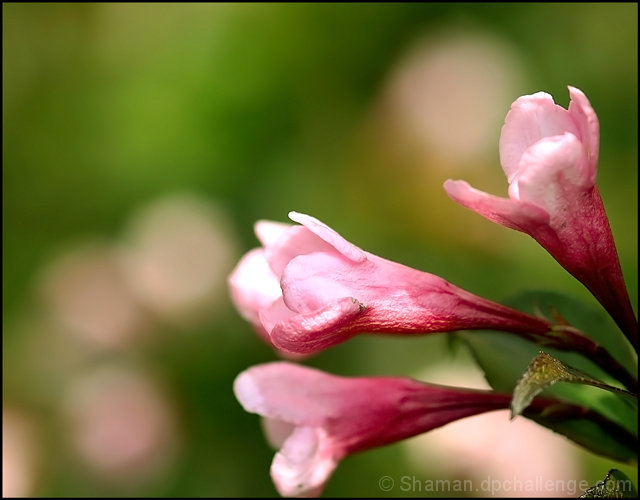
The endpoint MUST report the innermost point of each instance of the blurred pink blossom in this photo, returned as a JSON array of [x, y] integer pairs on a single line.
[[316, 419], [87, 295], [19, 454], [120, 424], [452, 79], [550, 156], [176, 253], [308, 289]]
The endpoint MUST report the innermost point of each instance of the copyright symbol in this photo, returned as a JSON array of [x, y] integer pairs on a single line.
[[386, 483]]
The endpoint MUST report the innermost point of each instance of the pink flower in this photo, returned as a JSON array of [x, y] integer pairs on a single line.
[[318, 418], [308, 289], [550, 155]]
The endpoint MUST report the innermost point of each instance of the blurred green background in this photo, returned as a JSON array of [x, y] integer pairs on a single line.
[[142, 141]]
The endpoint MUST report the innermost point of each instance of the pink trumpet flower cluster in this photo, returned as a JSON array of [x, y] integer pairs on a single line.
[[307, 289]]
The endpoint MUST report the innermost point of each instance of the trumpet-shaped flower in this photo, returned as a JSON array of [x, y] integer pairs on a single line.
[[308, 289], [550, 156], [316, 419]]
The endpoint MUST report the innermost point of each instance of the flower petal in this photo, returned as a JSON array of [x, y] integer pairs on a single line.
[[586, 120], [510, 213], [269, 232], [287, 391], [550, 169], [531, 118], [349, 250], [313, 280], [304, 464], [276, 431], [296, 240], [318, 330], [253, 286], [275, 313]]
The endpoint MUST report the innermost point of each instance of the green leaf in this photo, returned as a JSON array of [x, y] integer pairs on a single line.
[[616, 484], [589, 429], [544, 371], [595, 323], [504, 357]]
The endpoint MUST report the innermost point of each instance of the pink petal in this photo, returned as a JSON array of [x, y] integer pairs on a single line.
[[349, 250], [349, 407], [253, 286], [587, 123], [296, 240], [286, 391], [549, 170], [311, 281], [317, 330], [304, 464], [276, 431], [510, 213], [275, 313], [268, 231], [531, 118]]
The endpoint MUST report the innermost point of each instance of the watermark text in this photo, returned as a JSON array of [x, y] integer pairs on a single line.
[[491, 486]]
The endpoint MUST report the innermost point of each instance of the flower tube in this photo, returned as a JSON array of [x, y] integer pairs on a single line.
[[316, 419], [308, 289]]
